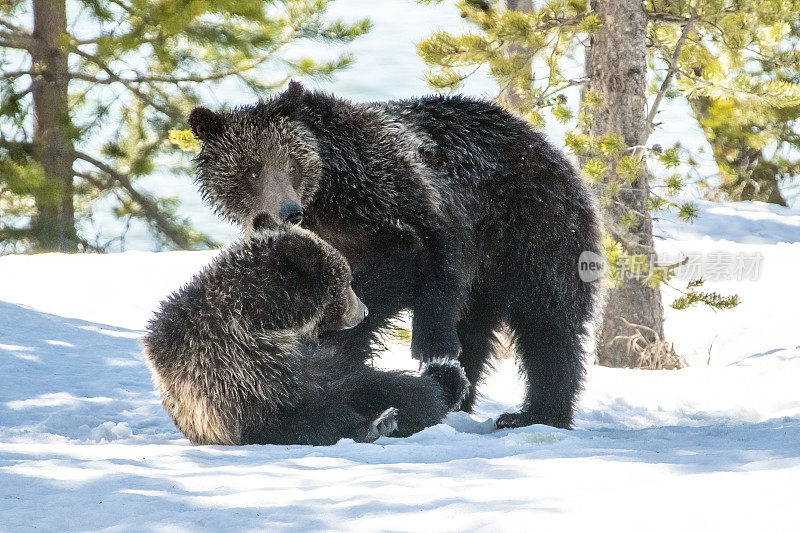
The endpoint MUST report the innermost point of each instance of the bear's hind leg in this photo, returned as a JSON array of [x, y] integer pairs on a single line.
[[322, 418], [549, 348], [420, 400], [321, 422], [476, 332], [340, 421]]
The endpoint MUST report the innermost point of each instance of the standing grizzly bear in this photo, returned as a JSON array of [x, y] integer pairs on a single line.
[[449, 206], [235, 356]]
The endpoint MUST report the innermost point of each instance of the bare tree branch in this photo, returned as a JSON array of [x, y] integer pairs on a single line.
[[92, 179], [13, 27], [92, 79], [19, 40], [165, 79], [673, 67], [667, 17], [17, 74]]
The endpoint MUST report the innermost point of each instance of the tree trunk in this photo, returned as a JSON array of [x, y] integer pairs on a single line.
[[508, 96], [54, 221], [616, 69]]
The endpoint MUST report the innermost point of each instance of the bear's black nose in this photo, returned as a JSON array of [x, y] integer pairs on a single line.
[[292, 213]]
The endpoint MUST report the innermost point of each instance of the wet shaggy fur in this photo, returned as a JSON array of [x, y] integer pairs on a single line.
[[235, 356], [449, 206]]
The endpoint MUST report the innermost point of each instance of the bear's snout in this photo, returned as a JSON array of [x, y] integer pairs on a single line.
[[355, 316]]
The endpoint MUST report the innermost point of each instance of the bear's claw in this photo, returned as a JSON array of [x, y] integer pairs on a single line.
[[384, 425], [428, 348], [512, 420], [523, 418]]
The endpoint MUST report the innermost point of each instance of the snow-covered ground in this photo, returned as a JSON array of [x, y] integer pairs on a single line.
[[85, 444]]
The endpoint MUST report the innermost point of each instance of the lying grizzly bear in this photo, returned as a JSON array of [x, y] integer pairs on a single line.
[[236, 357]]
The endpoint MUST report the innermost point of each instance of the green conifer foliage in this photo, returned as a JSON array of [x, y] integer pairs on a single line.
[[755, 145], [89, 90], [735, 62]]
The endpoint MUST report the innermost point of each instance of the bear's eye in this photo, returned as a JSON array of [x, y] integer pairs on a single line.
[[292, 168], [252, 175]]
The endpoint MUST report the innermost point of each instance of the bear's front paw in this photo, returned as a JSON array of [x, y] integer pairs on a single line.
[[426, 348], [451, 377]]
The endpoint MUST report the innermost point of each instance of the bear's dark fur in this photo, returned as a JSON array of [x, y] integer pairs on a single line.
[[236, 361], [446, 205]]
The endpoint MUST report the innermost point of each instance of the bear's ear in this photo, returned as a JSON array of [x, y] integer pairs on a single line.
[[295, 90], [205, 123], [291, 101], [302, 254]]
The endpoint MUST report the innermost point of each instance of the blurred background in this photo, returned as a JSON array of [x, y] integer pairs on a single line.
[[128, 72]]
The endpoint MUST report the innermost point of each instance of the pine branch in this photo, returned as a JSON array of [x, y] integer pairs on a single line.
[[623, 235], [81, 42], [17, 41], [660, 16], [157, 58], [786, 93], [16, 146], [114, 77], [15, 234], [673, 67], [151, 210], [549, 24], [198, 78]]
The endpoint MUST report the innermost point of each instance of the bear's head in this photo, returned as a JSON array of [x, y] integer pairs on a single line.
[[258, 165], [292, 280]]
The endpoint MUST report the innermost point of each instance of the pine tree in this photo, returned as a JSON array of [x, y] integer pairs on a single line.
[[755, 145], [622, 41], [89, 90]]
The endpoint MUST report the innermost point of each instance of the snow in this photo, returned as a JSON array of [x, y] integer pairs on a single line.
[[86, 445], [769, 223]]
